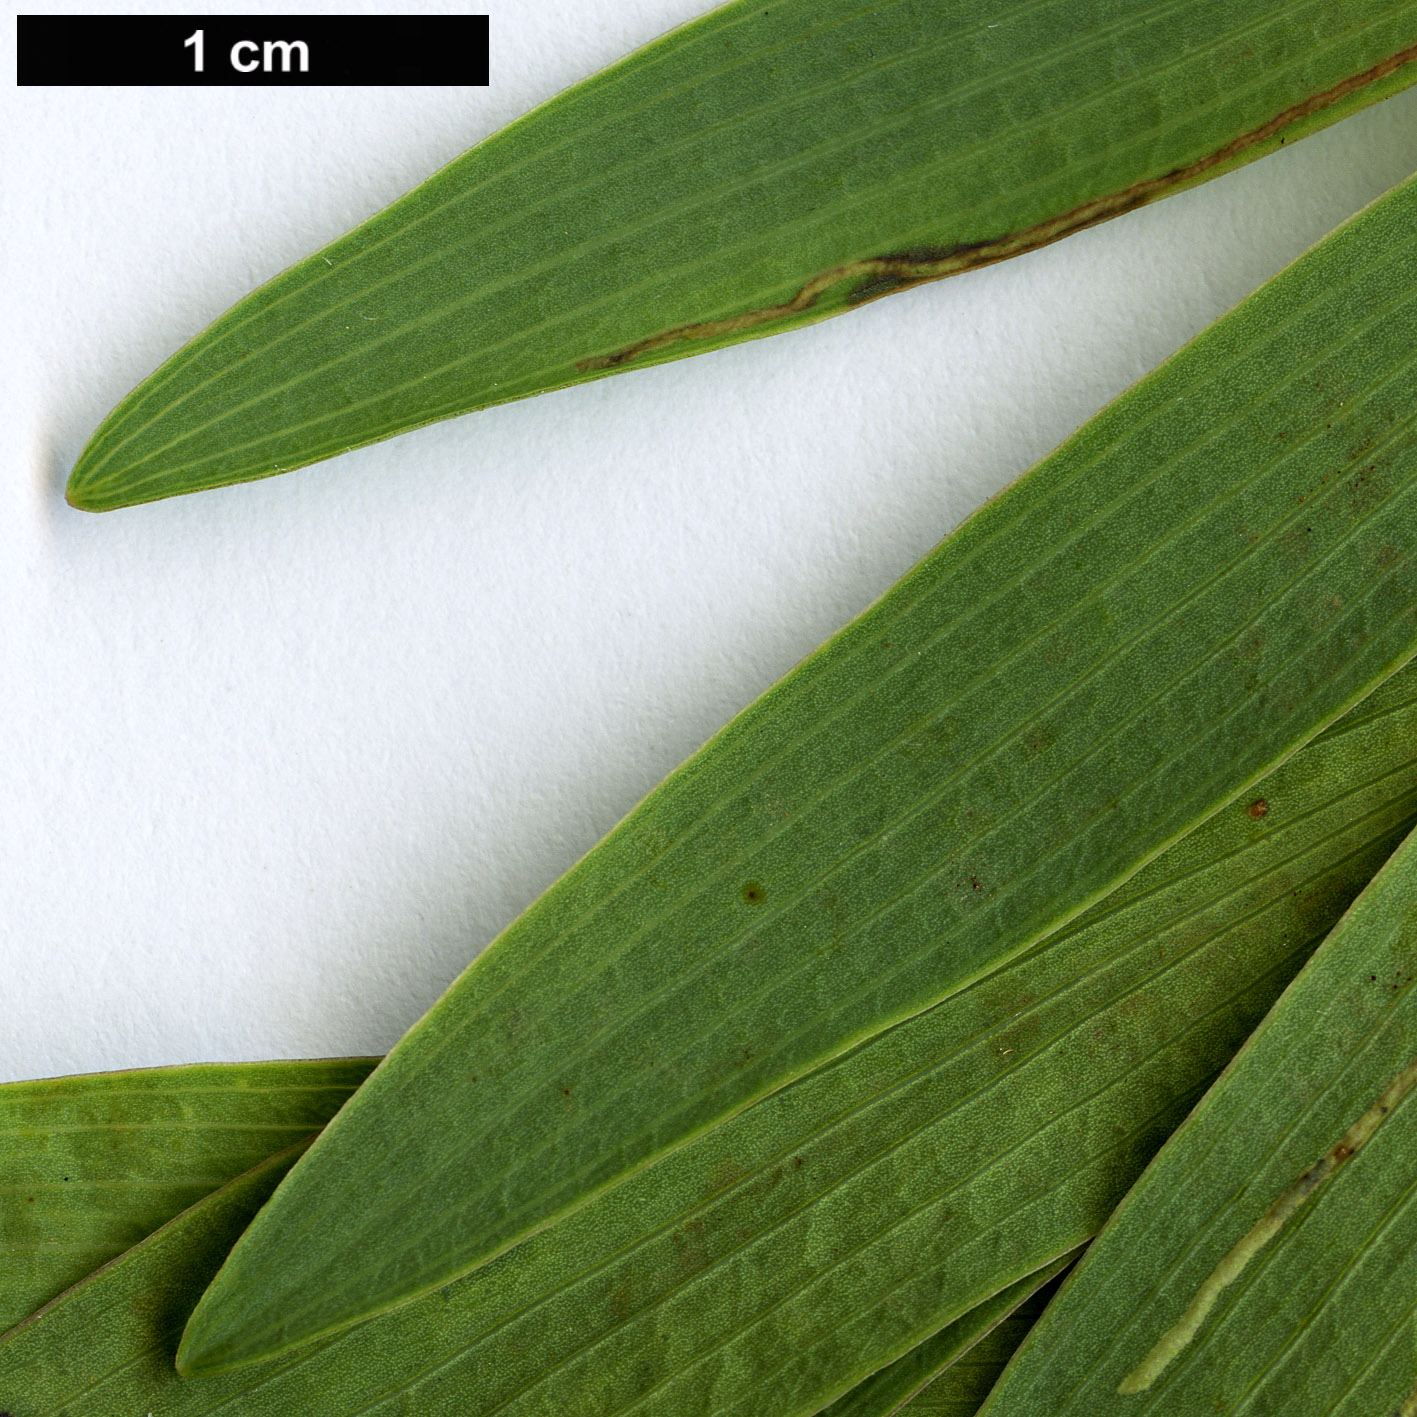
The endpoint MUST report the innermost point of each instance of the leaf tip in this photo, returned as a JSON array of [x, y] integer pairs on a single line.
[[200, 1354], [74, 496], [192, 1359], [207, 1348], [81, 491]]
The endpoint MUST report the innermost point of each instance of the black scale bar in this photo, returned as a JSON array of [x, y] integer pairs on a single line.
[[166, 51]]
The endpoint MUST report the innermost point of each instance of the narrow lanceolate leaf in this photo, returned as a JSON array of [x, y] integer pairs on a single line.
[[1160, 612], [1267, 1260], [89, 1165], [777, 1261], [773, 163], [891, 1389]]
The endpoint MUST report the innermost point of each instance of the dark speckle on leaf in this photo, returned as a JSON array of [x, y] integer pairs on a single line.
[[753, 893]]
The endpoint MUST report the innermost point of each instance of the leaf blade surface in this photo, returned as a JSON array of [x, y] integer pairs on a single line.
[[1156, 615]]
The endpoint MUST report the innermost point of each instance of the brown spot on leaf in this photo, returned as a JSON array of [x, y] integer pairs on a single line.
[[1258, 808], [622, 1300], [725, 1174]]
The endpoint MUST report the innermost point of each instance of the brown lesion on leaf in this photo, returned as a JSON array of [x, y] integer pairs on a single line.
[[881, 275], [877, 276], [622, 1301], [691, 1247]]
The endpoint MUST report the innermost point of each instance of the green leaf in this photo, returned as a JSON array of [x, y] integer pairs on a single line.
[[775, 1262], [110, 1328], [89, 1165], [770, 164], [1188, 589], [1265, 1262], [892, 1388], [961, 1389]]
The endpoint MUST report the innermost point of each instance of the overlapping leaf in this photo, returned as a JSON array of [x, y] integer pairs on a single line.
[[891, 1389], [160, 1277], [89, 1165], [1267, 1261], [1162, 610], [773, 163], [100, 1334], [961, 1390], [775, 1262]]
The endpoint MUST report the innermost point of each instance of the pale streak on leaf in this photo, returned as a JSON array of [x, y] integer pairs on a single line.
[[1180, 1334]]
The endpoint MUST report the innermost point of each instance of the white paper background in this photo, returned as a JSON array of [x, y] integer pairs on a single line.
[[278, 760]]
